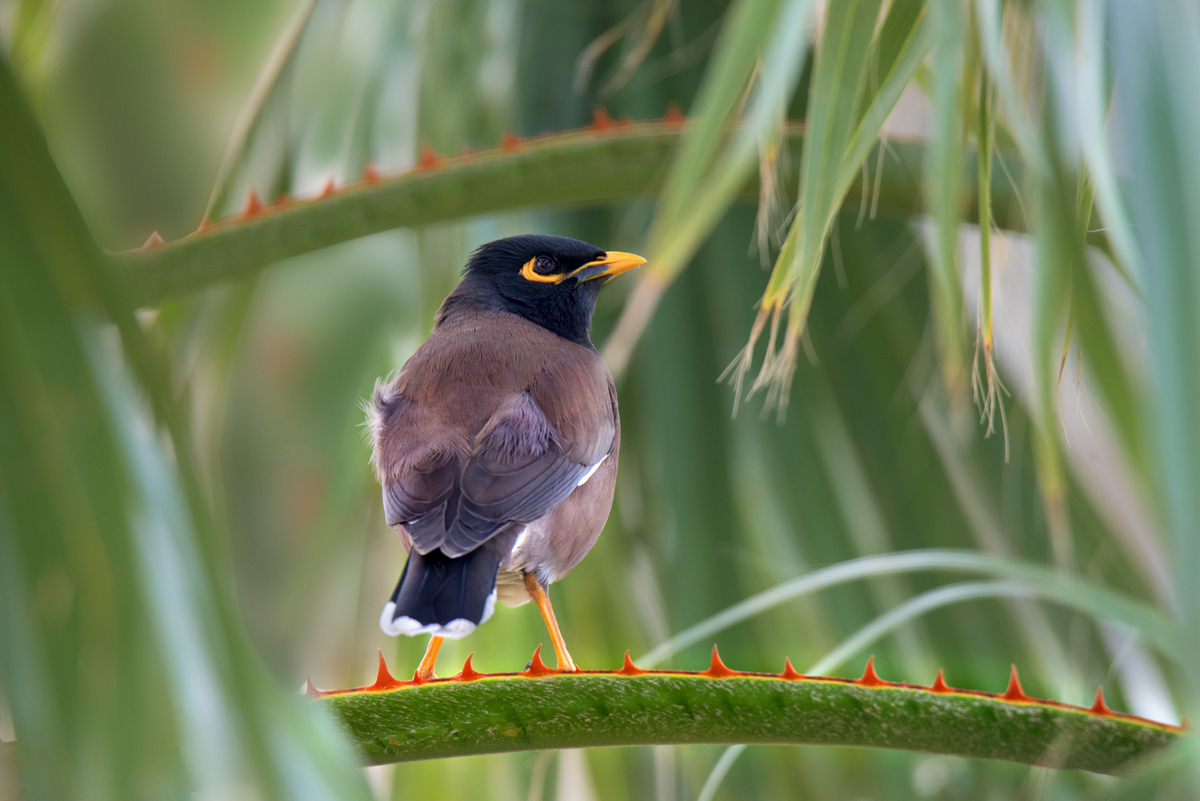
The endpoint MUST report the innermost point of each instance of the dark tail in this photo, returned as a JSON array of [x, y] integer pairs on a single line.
[[443, 596]]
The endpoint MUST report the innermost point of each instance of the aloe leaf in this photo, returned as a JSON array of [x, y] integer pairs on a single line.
[[474, 714], [572, 168], [878, 628], [587, 167]]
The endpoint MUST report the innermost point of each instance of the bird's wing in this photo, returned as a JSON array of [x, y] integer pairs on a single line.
[[488, 425], [521, 468], [418, 466]]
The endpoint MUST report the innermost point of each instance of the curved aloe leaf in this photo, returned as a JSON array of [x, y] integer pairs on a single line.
[[576, 167], [539, 708], [598, 165]]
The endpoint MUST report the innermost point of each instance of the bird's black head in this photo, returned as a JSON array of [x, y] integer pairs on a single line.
[[550, 280]]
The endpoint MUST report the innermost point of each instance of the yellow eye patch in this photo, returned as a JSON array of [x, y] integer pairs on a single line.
[[529, 274]]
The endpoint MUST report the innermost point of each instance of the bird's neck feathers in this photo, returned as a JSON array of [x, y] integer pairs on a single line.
[[567, 314]]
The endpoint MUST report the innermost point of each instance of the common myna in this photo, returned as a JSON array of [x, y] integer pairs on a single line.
[[497, 443]]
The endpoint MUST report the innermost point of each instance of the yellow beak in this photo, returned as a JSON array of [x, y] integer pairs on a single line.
[[613, 264]]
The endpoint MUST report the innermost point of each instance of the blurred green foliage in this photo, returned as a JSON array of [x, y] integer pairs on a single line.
[[242, 401]]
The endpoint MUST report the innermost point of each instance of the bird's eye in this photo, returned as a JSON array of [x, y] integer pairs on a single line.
[[542, 269]]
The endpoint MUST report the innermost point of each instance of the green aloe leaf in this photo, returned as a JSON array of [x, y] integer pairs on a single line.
[[579, 167], [894, 618], [473, 714], [587, 167]]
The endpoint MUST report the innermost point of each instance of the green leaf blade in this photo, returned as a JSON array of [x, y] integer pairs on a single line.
[[494, 715]]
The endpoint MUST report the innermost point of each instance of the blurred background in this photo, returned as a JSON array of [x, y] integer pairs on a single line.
[[147, 105]]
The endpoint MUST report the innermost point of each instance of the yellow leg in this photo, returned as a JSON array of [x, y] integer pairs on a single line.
[[425, 669], [538, 593]]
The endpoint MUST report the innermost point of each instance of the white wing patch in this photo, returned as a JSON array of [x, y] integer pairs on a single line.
[[524, 535], [591, 470]]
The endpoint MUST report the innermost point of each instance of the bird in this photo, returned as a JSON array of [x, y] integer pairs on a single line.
[[496, 444]]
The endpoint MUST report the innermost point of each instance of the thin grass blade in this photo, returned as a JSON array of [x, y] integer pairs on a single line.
[[944, 190], [1095, 600], [269, 85], [862, 68]]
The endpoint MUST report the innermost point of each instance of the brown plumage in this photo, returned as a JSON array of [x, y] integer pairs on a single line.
[[497, 443]]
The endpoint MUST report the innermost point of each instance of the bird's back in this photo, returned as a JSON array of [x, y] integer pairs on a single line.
[[493, 387]]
